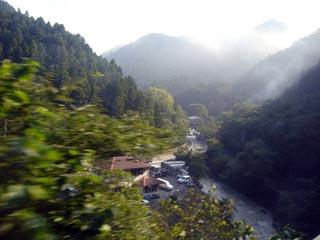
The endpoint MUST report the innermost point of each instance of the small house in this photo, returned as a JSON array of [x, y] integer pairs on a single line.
[[126, 163], [148, 184]]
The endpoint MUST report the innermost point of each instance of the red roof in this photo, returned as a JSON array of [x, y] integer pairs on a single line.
[[148, 181], [123, 163]]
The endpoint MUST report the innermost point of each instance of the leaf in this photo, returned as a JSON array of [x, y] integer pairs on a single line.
[[52, 155], [105, 228], [22, 96], [38, 192]]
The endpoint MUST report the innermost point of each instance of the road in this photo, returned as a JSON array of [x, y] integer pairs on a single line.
[[194, 144], [197, 145], [158, 159]]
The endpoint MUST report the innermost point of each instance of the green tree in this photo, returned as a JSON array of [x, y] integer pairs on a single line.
[[198, 216], [51, 149]]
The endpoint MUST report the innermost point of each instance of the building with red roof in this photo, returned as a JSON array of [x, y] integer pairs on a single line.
[[126, 163], [148, 184]]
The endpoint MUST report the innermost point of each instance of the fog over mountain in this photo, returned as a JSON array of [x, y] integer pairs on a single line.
[[272, 76], [158, 58], [177, 63], [250, 67]]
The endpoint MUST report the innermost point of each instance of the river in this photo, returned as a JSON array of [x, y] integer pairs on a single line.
[[249, 212], [245, 209]]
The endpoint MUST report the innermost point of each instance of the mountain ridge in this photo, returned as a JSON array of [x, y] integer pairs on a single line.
[[158, 59]]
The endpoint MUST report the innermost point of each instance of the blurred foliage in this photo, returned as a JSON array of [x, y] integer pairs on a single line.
[[198, 216], [287, 233], [46, 148]]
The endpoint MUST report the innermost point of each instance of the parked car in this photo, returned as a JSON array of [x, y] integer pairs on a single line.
[[151, 196], [166, 187], [184, 179], [183, 173]]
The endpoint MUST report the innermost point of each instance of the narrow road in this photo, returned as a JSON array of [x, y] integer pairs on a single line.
[[158, 159], [197, 145]]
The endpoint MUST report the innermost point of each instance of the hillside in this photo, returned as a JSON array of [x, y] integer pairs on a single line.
[[276, 147], [215, 77], [67, 60], [268, 79], [80, 76], [272, 76]]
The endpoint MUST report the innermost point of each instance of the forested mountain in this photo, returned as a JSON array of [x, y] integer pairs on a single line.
[[267, 80], [272, 76], [216, 78], [177, 63], [191, 72], [73, 68], [66, 58], [157, 60], [275, 147]]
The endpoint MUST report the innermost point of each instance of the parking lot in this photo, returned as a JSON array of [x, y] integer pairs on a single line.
[[179, 190]]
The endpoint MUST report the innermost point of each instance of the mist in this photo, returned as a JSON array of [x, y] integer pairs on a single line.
[[258, 65], [275, 74], [158, 59]]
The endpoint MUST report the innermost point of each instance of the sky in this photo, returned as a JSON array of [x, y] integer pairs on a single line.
[[109, 23]]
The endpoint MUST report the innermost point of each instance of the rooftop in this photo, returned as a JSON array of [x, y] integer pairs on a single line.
[[148, 181]]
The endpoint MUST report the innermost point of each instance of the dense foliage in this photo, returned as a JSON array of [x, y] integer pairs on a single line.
[[216, 97], [276, 148], [199, 216], [46, 148], [167, 114]]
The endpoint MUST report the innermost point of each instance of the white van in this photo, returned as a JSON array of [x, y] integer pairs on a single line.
[[166, 187]]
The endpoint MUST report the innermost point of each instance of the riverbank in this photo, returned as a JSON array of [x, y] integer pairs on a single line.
[[245, 210]]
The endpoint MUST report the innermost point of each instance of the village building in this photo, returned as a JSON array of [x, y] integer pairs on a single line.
[[148, 184], [126, 163]]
